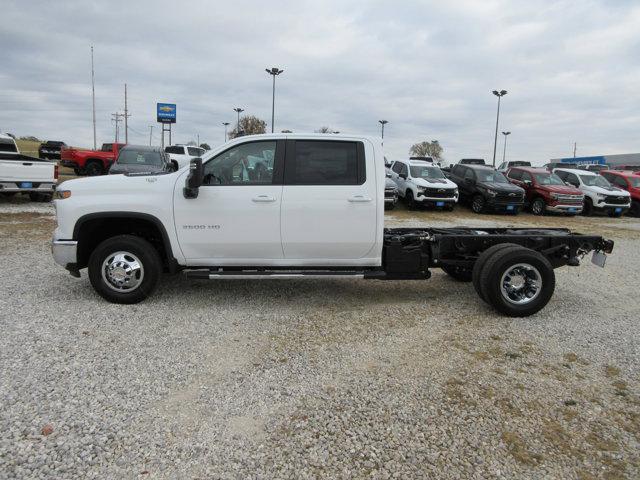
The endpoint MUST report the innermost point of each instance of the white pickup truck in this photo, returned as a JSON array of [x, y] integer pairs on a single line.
[[290, 205], [183, 153], [22, 174]]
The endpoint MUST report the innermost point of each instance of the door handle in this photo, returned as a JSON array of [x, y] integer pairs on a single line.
[[263, 199], [359, 199]]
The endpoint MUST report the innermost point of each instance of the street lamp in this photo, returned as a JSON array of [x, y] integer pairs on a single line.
[[498, 94], [273, 72], [238, 111], [504, 152], [383, 123], [226, 124]]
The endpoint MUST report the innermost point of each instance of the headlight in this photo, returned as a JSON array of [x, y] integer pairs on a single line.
[[62, 194], [554, 196], [455, 192], [601, 196], [491, 193], [422, 189]]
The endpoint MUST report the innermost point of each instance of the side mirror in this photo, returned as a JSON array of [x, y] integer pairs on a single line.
[[174, 165], [194, 179], [527, 182], [403, 175], [388, 175]]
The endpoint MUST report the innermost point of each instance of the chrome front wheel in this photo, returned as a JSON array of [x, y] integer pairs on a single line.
[[122, 271]]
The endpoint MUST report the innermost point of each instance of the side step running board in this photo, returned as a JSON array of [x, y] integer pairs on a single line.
[[205, 274]]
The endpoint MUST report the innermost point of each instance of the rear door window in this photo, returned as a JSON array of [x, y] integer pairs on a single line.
[[319, 162], [397, 167], [468, 174], [515, 174], [175, 150]]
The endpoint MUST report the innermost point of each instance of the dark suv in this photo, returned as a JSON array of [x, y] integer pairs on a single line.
[[484, 188], [50, 149]]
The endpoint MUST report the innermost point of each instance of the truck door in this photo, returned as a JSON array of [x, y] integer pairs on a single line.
[[329, 201], [236, 218]]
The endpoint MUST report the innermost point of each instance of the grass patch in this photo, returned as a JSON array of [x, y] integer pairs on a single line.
[[518, 449]]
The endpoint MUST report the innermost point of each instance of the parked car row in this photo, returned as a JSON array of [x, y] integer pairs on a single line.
[[515, 186]]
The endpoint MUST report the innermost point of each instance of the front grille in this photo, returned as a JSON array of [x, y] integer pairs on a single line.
[[389, 193], [438, 192], [565, 198], [615, 200], [508, 197]]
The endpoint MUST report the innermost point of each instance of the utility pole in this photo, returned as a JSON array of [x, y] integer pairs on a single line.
[[575, 145], [150, 133], [274, 72], [126, 115], [504, 152], [498, 94], [198, 135], [93, 98], [226, 124], [238, 110], [117, 118]]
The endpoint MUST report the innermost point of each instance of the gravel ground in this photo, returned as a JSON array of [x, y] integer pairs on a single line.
[[307, 379]]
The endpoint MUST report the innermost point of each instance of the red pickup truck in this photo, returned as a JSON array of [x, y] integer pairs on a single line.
[[90, 162]]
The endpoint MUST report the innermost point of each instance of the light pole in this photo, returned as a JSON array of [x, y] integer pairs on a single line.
[[383, 123], [498, 94], [226, 124], [273, 72], [504, 152], [238, 110]]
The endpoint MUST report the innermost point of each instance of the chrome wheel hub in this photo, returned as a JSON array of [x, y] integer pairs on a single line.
[[521, 284], [122, 271]]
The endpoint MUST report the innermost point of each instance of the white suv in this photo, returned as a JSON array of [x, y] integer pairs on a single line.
[[423, 183], [184, 153], [599, 194]]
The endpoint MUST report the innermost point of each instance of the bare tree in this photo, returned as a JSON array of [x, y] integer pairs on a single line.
[[324, 130], [427, 149], [249, 125]]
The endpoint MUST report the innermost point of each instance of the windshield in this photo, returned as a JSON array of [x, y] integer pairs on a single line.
[[491, 176], [548, 179], [594, 181], [635, 182], [134, 157], [425, 172]]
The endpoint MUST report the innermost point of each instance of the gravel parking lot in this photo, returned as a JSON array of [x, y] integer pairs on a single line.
[[312, 378]]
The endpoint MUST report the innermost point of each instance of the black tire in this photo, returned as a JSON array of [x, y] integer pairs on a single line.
[[141, 251], [40, 197], [93, 168], [588, 207], [634, 211], [480, 263], [8, 194], [478, 203], [538, 206], [461, 274], [77, 171], [411, 203], [535, 267]]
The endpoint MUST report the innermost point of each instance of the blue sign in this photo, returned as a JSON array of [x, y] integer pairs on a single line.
[[166, 112], [596, 160]]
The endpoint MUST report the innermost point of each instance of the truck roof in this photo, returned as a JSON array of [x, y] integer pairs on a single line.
[[531, 169], [576, 171]]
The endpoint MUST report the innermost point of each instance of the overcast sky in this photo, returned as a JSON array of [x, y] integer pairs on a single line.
[[572, 70]]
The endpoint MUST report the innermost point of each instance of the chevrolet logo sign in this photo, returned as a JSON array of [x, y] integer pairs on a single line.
[[166, 109], [441, 190], [512, 194]]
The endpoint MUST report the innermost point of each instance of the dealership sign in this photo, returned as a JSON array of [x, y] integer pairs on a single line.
[[166, 112]]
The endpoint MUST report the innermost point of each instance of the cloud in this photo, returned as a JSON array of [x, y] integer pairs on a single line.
[[427, 67]]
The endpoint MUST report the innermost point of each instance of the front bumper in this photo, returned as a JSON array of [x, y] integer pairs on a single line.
[[612, 207], [41, 187], [562, 208], [65, 253], [391, 200], [69, 163]]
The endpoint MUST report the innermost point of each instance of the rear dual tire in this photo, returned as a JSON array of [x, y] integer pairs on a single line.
[[516, 281]]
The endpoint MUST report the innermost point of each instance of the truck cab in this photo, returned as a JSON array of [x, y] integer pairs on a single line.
[[184, 153], [420, 182], [599, 194], [546, 192]]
